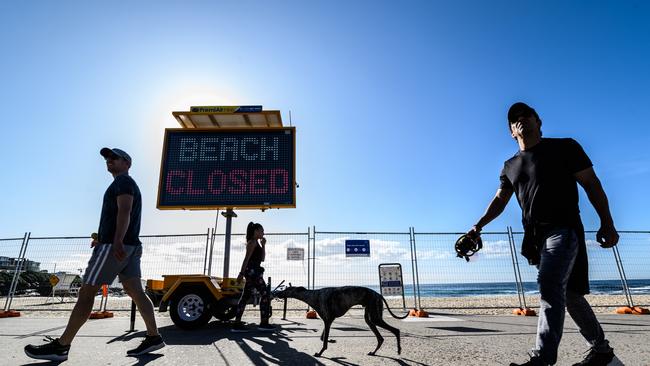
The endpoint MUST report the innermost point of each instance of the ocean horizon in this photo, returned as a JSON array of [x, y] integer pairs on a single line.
[[598, 287]]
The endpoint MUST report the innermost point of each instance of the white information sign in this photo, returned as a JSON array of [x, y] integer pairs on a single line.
[[390, 280], [295, 254]]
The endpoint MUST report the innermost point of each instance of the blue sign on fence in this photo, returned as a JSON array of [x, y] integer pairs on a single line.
[[357, 248]]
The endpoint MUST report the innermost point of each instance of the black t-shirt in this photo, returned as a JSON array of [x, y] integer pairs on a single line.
[[542, 178], [123, 184]]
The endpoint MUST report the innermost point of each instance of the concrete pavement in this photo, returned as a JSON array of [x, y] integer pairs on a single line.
[[441, 340]]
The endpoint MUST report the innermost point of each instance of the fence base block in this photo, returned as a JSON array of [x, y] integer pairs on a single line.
[[641, 311], [312, 314], [524, 312], [418, 313], [9, 314], [636, 310], [101, 315]]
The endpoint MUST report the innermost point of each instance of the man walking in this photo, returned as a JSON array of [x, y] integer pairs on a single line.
[[543, 175], [117, 251]]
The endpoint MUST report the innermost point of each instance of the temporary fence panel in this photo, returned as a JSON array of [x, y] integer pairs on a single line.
[[9, 255], [634, 249], [172, 254], [445, 281], [283, 260], [162, 254], [487, 280], [48, 256], [276, 265], [334, 268], [604, 279]]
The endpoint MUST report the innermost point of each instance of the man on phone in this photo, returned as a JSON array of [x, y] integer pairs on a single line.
[[543, 174]]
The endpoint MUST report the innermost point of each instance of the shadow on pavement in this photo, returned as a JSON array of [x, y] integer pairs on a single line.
[[145, 359], [275, 346], [401, 361], [41, 363]]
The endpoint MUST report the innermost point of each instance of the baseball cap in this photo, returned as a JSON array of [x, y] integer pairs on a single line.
[[520, 109], [108, 152]]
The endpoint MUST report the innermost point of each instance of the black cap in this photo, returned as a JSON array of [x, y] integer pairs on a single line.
[[520, 109], [108, 152]]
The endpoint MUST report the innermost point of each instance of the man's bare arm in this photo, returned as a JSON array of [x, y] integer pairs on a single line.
[[494, 209], [124, 205], [607, 235]]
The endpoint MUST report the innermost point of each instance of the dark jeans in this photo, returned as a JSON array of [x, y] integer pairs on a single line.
[[557, 258], [255, 282]]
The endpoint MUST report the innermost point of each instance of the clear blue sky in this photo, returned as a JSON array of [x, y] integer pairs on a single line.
[[400, 108]]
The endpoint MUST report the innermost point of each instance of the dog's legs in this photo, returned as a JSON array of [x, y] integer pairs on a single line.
[[325, 336], [378, 320], [322, 336], [380, 339]]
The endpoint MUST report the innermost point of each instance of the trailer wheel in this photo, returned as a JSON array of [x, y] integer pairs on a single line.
[[224, 310], [190, 307]]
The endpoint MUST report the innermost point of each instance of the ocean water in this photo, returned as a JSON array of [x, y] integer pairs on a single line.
[[598, 287]]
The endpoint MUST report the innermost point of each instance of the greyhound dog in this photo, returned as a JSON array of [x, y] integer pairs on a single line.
[[333, 302]]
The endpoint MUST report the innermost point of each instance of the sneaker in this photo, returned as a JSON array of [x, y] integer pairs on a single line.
[[149, 344], [596, 359], [239, 327], [266, 327], [534, 361], [52, 351]]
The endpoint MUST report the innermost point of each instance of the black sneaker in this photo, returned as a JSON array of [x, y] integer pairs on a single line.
[[239, 327], [596, 359], [150, 344], [266, 327], [534, 361], [52, 351]]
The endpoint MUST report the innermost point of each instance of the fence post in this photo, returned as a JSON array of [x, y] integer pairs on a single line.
[[513, 256], [205, 257], [621, 273], [313, 261], [523, 308], [417, 269], [17, 270], [213, 236], [308, 256], [415, 300]]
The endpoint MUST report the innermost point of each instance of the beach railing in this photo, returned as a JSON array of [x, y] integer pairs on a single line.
[[433, 277], [607, 287], [333, 266], [287, 257], [438, 265]]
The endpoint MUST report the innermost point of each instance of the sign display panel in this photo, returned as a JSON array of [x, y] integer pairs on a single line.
[[390, 279], [227, 168], [357, 248], [295, 254]]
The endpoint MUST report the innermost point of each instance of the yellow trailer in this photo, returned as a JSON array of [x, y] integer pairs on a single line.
[[192, 300]]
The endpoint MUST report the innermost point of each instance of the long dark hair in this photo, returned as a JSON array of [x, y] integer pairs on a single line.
[[250, 230]]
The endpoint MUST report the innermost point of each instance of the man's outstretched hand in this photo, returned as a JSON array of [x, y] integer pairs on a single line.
[[474, 232], [607, 236]]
